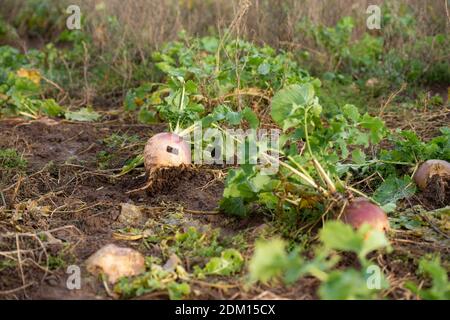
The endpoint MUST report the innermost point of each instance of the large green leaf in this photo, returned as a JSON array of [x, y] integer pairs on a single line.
[[287, 101], [345, 285], [440, 288], [394, 189], [339, 236], [268, 261], [229, 262]]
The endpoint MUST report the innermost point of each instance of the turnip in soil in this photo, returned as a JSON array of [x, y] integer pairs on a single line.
[[166, 150], [431, 168], [360, 211], [166, 155]]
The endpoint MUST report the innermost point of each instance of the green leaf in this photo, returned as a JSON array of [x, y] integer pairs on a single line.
[[195, 107], [358, 156], [339, 236], [51, 108], [250, 117], [260, 183], [336, 235], [351, 112], [230, 262], [191, 87], [440, 288], [210, 44], [288, 100], [376, 127], [178, 290], [136, 98], [233, 206], [268, 261], [148, 116], [233, 117], [132, 164], [84, 115], [345, 285], [393, 189], [264, 68], [372, 240]]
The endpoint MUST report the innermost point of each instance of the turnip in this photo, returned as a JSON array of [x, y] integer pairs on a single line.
[[166, 157], [361, 210], [166, 150], [431, 168]]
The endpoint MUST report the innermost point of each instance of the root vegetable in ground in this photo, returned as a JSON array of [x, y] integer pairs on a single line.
[[431, 168], [361, 211]]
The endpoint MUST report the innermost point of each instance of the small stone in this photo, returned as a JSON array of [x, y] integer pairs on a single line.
[[172, 263], [116, 262], [52, 281], [130, 214]]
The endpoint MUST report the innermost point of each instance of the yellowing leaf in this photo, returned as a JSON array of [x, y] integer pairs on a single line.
[[31, 74], [126, 237]]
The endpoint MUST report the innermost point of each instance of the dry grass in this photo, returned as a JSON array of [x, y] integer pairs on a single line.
[[149, 23], [153, 22]]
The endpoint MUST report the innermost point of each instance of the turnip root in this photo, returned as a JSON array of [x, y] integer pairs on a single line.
[[361, 210], [430, 168], [166, 157], [166, 150]]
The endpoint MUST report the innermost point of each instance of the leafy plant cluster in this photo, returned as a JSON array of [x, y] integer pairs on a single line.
[[308, 136], [375, 56], [346, 144], [21, 89], [155, 279], [439, 289], [207, 255], [198, 73], [273, 262], [11, 159]]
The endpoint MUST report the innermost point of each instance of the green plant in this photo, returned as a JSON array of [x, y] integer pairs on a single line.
[[11, 159], [103, 159], [326, 143], [56, 262], [409, 148], [155, 279], [271, 261], [40, 18], [195, 80], [344, 55], [117, 140], [194, 243], [229, 263], [440, 287]]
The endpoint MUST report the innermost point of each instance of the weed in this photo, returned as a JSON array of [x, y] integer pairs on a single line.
[[11, 159]]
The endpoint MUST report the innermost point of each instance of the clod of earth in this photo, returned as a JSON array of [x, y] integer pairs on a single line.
[[361, 211], [431, 168], [116, 262]]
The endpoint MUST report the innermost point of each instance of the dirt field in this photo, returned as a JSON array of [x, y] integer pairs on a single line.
[[64, 206]]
